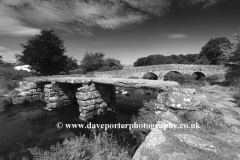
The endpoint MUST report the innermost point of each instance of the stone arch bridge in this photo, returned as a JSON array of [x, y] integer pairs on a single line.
[[161, 70]]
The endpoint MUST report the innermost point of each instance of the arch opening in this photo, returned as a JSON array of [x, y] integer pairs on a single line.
[[173, 76], [198, 75], [150, 75]]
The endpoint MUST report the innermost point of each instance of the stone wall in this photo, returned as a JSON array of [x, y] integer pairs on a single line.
[[29, 92], [95, 100]]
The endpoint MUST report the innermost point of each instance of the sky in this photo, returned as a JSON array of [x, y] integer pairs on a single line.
[[122, 29]]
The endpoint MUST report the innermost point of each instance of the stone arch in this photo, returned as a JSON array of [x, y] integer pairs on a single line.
[[198, 75], [150, 75], [171, 75]]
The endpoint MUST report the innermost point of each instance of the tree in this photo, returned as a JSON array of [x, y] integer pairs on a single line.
[[71, 64], [202, 61], [233, 63], [92, 61], [161, 59], [44, 53], [111, 64], [1, 60], [212, 50], [97, 62]]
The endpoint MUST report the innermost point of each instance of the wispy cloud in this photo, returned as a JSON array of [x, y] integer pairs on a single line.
[[205, 3], [11, 26], [8, 54], [79, 16], [177, 36]]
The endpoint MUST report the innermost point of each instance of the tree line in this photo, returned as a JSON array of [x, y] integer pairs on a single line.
[[212, 53]]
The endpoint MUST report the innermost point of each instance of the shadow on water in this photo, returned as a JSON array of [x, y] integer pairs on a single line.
[[27, 126]]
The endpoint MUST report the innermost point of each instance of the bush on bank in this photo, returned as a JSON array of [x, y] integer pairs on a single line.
[[186, 79], [9, 77], [5, 103], [101, 146], [146, 115]]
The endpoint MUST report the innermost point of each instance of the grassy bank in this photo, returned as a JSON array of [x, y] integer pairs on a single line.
[[99, 146], [9, 78]]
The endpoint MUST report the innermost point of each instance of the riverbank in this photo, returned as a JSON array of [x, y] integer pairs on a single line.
[[217, 138]]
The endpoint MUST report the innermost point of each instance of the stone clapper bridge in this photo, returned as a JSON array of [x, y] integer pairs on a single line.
[[95, 96]]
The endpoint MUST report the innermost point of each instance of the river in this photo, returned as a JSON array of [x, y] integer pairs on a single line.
[[27, 126]]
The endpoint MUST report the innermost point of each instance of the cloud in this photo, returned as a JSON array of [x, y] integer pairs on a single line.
[[3, 48], [177, 36], [14, 27], [80, 16], [205, 3], [8, 54]]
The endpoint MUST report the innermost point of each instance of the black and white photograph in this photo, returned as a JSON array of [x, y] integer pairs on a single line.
[[119, 79]]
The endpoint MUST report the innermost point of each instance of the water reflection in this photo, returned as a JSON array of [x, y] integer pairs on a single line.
[[27, 126], [131, 104]]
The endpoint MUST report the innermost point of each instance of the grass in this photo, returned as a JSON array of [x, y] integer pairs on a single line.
[[146, 115], [101, 146], [210, 118], [236, 95]]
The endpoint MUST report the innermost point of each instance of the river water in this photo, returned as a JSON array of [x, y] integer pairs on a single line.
[[27, 126]]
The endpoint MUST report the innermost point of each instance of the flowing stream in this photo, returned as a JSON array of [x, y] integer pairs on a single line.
[[27, 126]]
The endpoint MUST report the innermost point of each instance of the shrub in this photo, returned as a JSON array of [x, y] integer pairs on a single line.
[[90, 74], [146, 115], [5, 103], [6, 65], [62, 73], [9, 77], [102, 146], [212, 79], [133, 78], [174, 76], [150, 76], [185, 79], [77, 71], [235, 82]]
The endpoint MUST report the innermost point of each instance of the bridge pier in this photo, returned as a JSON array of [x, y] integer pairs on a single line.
[[57, 95], [92, 99], [95, 100]]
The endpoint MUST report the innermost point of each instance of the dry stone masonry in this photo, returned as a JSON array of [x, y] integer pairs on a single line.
[[95, 100], [28, 92], [56, 97]]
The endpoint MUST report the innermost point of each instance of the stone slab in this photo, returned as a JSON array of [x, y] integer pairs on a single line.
[[121, 82]]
